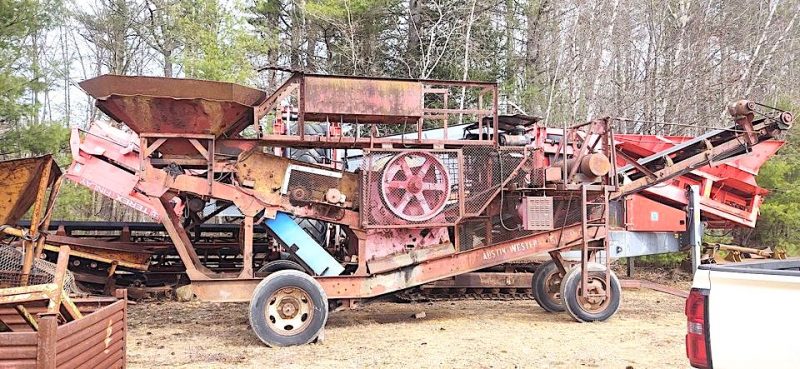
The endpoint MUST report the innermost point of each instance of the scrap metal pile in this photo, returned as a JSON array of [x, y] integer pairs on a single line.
[[46, 321], [411, 210]]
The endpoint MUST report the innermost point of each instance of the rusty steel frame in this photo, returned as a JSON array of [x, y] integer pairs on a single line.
[[297, 84], [345, 287]]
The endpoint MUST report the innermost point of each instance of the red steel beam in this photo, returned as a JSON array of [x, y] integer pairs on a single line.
[[341, 287]]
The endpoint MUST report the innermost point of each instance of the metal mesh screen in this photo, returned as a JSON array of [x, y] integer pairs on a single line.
[[409, 187], [43, 271], [566, 211], [306, 185], [472, 233], [507, 226], [485, 170]]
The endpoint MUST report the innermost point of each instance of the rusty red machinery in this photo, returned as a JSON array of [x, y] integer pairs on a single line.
[[415, 210], [652, 221], [147, 264]]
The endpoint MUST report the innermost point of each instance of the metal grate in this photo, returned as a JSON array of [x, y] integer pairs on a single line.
[[410, 187], [566, 211], [485, 170], [472, 233], [310, 183], [42, 272]]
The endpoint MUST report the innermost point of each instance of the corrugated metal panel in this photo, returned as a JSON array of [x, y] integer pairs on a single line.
[[13, 320], [17, 363], [17, 350], [98, 338]]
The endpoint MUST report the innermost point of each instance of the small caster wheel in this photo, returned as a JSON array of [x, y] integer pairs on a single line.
[[546, 286], [590, 307], [288, 308]]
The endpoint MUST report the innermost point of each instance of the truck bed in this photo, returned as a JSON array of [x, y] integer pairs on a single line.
[[751, 313]]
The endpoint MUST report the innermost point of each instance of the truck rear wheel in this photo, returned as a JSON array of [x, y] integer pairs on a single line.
[[288, 308], [589, 308], [546, 286]]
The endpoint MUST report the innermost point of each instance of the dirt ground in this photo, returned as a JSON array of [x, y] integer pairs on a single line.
[[647, 332]]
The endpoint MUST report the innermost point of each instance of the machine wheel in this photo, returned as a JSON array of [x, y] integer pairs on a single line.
[[288, 308], [591, 309], [278, 265], [546, 287]]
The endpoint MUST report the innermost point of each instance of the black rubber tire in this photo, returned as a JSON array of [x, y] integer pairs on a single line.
[[260, 300], [317, 229], [278, 265], [540, 288], [570, 285]]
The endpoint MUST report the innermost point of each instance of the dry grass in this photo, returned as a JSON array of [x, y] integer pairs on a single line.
[[647, 332]]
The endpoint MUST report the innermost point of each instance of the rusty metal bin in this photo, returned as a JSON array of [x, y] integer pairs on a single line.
[[98, 340]]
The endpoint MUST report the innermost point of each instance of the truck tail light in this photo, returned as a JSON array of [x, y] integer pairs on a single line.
[[697, 345]]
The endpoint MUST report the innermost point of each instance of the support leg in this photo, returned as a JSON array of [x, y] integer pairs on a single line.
[[247, 251]]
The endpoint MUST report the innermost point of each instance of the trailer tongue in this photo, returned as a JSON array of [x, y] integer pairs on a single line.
[[415, 211]]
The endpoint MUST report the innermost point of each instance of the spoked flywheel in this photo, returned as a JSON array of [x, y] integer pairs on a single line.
[[415, 186]]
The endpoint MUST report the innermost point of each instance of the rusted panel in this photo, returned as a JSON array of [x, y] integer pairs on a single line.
[[17, 363], [18, 351], [97, 353], [108, 180], [407, 258], [96, 337], [266, 174], [88, 320], [67, 345], [97, 340], [18, 185], [174, 105], [93, 350], [17, 339], [365, 100]]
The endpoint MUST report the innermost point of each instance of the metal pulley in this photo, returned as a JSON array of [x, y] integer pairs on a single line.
[[591, 165], [415, 186]]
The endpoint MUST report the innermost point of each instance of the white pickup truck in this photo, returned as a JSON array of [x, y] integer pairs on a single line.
[[744, 315]]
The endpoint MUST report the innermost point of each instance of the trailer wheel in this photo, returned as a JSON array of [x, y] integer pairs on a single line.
[[278, 265], [288, 308], [546, 286], [589, 308]]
